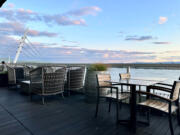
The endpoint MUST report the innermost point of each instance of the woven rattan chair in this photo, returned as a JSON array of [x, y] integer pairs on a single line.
[[45, 83], [11, 76], [15, 75], [1, 68], [105, 90], [166, 105], [27, 70], [75, 79]]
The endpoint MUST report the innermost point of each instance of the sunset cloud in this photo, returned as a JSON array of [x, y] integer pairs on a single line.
[[93, 10], [17, 28], [65, 19], [162, 20], [162, 43], [138, 38], [10, 5]]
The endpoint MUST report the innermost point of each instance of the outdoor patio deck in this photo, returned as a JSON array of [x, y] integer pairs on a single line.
[[69, 116]]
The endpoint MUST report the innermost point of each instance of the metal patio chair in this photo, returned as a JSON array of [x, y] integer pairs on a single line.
[[166, 105], [105, 90]]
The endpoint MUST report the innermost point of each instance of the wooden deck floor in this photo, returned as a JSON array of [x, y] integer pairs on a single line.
[[69, 116]]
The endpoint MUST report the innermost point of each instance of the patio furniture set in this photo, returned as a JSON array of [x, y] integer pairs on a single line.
[[47, 80], [152, 101], [53, 80]]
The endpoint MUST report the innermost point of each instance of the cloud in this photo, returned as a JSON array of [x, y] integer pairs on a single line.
[[106, 55], [53, 52], [65, 19], [17, 28], [7, 40], [164, 43], [138, 38], [21, 15], [162, 20], [10, 5], [85, 11]]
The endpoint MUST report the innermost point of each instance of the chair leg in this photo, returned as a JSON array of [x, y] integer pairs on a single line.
[[148, 116], [139, 94], [178, 117], [97, 107], [69, 93], [117, 111], [31, 97], [177, 112], [43, 100], [62, 94], [110, 100], [170, 123], [120, 104]]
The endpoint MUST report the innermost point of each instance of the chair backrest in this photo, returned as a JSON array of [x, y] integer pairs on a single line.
[[124, 76], [27, 70], [75, 78], [48, 69], [44, 82], [36, 75], [1, 68], [11, 75], [175, 91], [54, 82], [19, 71], [102, 79]]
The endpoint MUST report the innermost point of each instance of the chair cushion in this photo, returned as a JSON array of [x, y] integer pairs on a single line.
[[159, 105], [121, 96]]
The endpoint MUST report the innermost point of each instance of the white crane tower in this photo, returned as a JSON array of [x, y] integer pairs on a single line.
[[22, 42]]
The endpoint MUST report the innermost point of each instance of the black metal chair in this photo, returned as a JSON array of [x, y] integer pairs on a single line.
[[105, 90], [44, 82], [160, 103]]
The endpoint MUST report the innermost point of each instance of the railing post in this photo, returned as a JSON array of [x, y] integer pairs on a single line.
[[128, 69]]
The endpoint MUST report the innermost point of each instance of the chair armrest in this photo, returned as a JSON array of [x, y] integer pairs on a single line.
[[160, 88], [111, 87], [165, 84], [154, 95]]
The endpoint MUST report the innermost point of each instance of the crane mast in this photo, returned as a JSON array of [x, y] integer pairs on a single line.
[[22, 42]]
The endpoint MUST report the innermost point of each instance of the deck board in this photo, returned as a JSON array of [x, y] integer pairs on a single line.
[[68, 116]]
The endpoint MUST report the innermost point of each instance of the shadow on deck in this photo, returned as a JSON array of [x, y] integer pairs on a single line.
[[69, 116]]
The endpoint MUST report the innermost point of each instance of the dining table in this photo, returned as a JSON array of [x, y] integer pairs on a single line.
[[133, 84]]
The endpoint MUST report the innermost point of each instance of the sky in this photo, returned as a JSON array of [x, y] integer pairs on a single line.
[[91, 31]]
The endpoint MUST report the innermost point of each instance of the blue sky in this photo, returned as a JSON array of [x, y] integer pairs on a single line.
[[88, 31]]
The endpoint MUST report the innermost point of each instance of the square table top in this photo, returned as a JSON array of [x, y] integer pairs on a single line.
[[139, 81]]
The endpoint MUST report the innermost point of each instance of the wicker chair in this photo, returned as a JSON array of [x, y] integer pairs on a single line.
[[163, 104], [105, 90], [27, 70], [45, 83], [11, 76], [1, 68], [75, 79], [15, 75]]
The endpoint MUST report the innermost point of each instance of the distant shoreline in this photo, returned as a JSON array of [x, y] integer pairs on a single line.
[[170, 66], [148, 66]]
